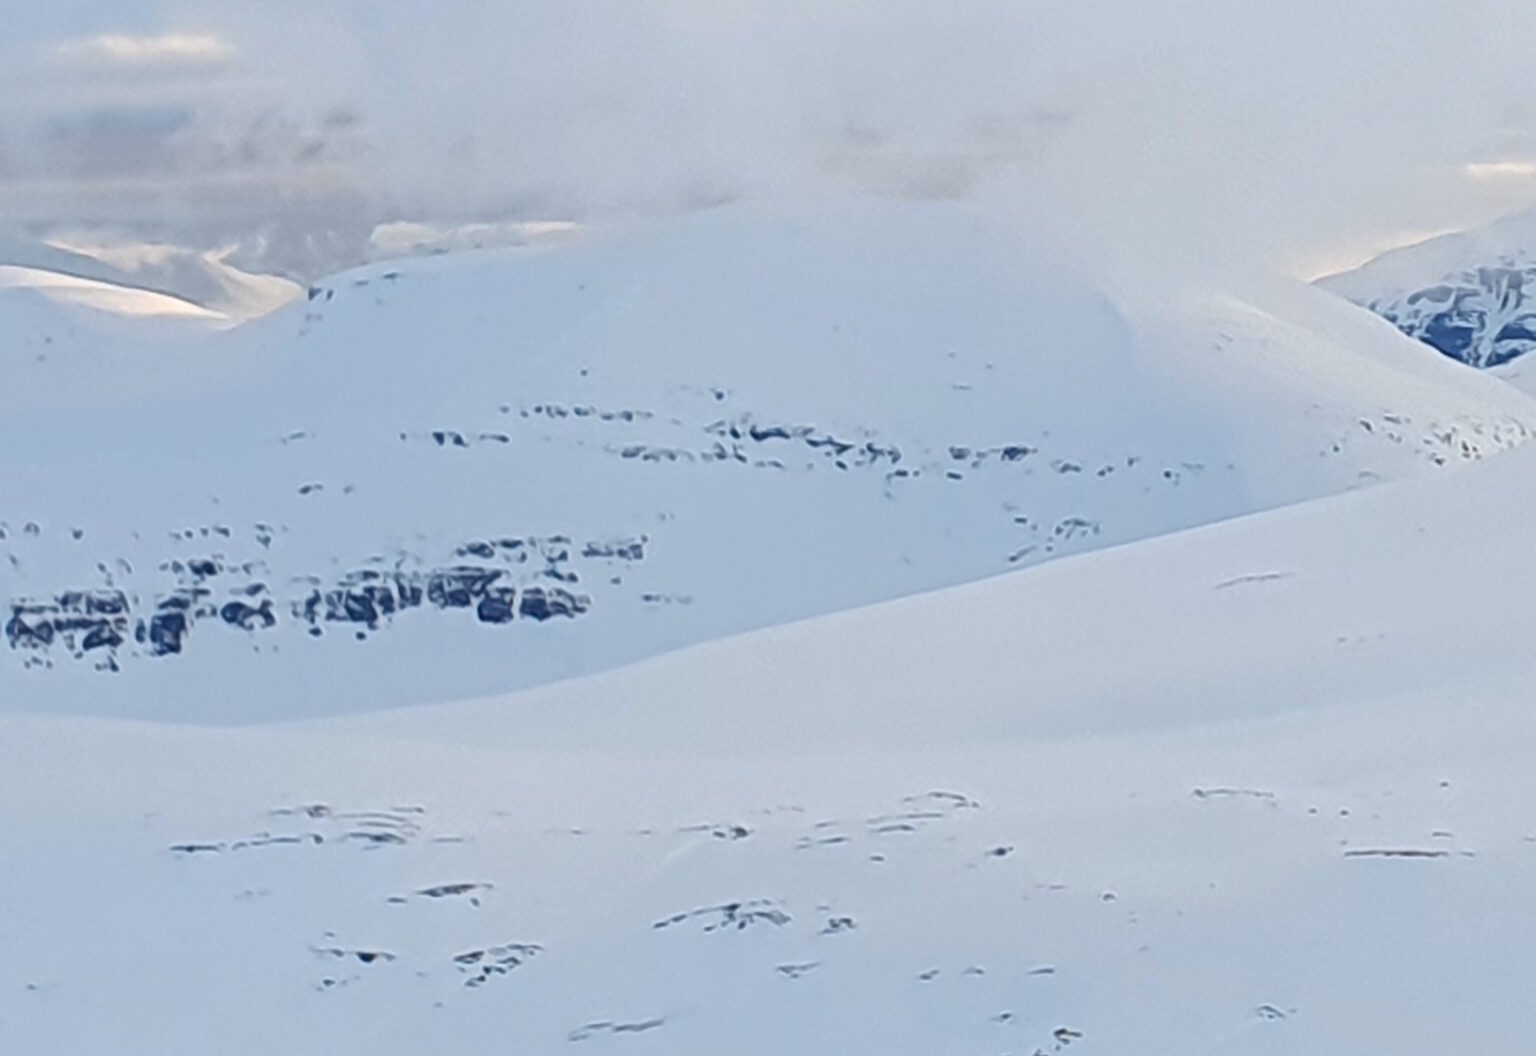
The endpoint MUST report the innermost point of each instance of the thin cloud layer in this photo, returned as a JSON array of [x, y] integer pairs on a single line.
[[110, 52], [1275, 133]]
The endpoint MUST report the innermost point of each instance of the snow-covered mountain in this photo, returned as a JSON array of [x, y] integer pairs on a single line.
[[90, 296], [1472, 295], [465, 475], [202, 277], [62, 337], [1244, 788], [1258, 788]]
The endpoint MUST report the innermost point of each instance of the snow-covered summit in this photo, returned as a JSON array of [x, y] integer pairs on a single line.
[[468, 474], [1470, 294]]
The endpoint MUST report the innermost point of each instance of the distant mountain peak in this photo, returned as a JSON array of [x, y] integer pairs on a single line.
[[1470, 295]]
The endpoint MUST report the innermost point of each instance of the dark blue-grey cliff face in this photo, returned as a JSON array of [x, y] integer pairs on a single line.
[[1481, 316]]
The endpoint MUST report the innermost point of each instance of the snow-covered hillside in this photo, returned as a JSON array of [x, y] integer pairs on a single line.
[[102, 298], [471, 474], [1258, 788], [201, 277], [1471, 294], [1248, 788]]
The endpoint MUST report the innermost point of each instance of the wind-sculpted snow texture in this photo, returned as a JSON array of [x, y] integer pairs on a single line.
[[1077, 910], [459, 476]]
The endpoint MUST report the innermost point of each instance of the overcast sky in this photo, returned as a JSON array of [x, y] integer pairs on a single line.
[[1297, 132]]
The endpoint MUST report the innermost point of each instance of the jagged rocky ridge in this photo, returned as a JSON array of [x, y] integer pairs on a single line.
[[1471, 294], [506, 579], [1483, 316], [498, 581]]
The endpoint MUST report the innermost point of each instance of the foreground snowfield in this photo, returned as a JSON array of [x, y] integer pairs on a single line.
[[1261, 787]]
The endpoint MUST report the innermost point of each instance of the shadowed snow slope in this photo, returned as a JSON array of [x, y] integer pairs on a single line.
[[1256, 788], [464, 475]]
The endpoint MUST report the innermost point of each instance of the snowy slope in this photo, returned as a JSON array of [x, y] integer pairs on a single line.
[[54, 326], [1470, 294], [202, 277], [68, 346], [100, 297], [464, 475], [1258, 788]]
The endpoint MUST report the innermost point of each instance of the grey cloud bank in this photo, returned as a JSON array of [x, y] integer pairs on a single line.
[[1300, 135]]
